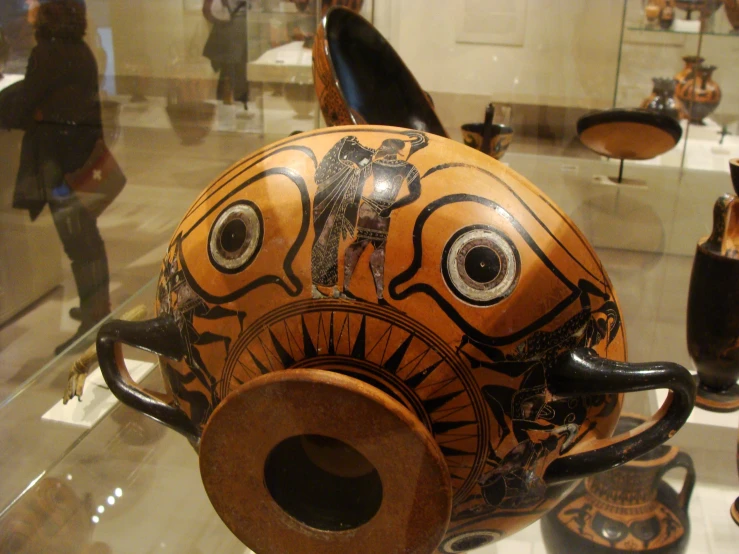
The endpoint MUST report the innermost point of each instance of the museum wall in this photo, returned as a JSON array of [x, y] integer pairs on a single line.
[[565, 65], [562, 63], [568, 56]]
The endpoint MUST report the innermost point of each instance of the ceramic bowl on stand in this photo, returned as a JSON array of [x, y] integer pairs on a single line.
[[628, 134]]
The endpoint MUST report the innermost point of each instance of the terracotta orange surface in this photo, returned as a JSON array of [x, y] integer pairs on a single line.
[[398, 304]]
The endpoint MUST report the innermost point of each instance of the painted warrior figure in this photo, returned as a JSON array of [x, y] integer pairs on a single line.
[[388, 174], [178, 298], [340, 178]]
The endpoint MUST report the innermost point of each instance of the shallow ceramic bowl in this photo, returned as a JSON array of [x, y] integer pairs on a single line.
[[629, 134]]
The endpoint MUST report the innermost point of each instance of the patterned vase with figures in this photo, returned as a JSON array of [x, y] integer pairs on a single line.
[[731, 7], [625, 510], [662, 99], [382, 340], [687, 70], [700, 93]]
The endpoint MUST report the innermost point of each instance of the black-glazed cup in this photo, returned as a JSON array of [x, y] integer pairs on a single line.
[[490, 138], [713, 308]]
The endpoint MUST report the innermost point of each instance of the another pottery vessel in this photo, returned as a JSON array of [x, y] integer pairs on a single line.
[[192, 121], [666, 17], [651, 13], [687, 71], [435, 401], [625, 510], [360, 79], [700, 93], [732, 12], [488, 137], [662, 99], [705, 8], [628, 134], [47, 519], [301, 99], [713, 307]]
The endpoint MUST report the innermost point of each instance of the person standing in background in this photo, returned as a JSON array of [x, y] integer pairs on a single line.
[[58, 107], [226, 48]]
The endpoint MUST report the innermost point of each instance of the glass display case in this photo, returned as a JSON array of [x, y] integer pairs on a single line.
[[98, 476]]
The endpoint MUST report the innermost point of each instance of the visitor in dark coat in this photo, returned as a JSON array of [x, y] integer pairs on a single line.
[[58, 107]]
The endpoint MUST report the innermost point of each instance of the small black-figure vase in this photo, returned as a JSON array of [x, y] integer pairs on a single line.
[[626, 510], [713, 307], [663, 100]]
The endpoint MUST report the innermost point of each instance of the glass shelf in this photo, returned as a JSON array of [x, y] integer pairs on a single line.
[[644, 28], [134, 486]]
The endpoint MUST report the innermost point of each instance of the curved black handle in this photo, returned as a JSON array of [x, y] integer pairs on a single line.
[[487, 129], [685, 461], [581, 372], [160, 336]]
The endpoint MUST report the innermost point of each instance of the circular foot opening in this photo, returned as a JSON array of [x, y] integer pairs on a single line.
[[323, 482]]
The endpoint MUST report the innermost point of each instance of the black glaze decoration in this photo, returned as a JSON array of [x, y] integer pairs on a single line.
[[160, 336], [632, 115], [581, 372], [372, 78]]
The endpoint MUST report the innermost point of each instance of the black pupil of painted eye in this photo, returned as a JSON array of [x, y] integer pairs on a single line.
[[233, 235], [482, 264], [468, 543]]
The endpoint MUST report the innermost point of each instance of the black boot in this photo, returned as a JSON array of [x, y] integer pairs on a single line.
[[92, 281]]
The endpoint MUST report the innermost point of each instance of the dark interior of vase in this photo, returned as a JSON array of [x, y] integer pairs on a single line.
[[478, 128], [373, 79], [323, 482]]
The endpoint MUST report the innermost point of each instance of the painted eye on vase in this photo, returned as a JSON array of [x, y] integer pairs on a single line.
[[236, 237], [464, 542], [610, 529], [480, 265]]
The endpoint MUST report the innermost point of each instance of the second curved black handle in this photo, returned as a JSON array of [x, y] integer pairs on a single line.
[[160, 336], [683, 460], [582, 372], [487, 129]]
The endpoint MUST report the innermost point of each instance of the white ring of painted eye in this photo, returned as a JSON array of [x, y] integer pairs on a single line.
[[236, 237], [468, 541], [480, 265]]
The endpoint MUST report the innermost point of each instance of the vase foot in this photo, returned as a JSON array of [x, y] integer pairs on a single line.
[[713, 401], [314, 462]]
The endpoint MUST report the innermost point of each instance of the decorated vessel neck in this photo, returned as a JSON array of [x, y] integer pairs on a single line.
[[625, 486]]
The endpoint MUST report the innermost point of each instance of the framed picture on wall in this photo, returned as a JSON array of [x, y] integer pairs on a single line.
[[492, 22]]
